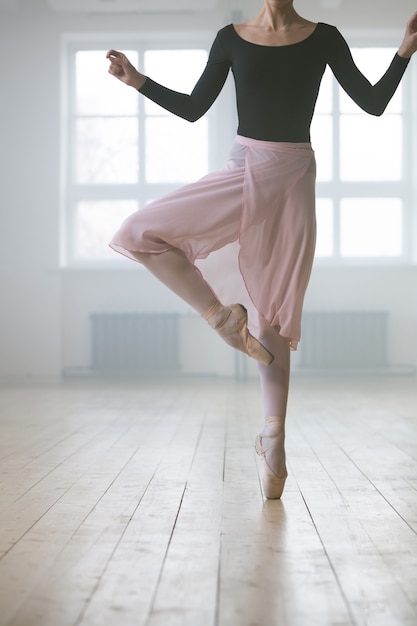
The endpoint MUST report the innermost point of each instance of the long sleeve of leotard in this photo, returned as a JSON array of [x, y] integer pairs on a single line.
[[193, 106], [371, 98], [277, 86]]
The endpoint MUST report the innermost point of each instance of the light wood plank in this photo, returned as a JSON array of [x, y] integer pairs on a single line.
[[273, 553], [141, 504], [362, 528], [187, 591], [93, 493]]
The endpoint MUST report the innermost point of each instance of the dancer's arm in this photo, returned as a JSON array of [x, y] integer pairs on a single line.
[[188, 106], [371, 98]]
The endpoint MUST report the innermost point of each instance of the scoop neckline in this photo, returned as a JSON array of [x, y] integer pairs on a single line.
[[287, 45]]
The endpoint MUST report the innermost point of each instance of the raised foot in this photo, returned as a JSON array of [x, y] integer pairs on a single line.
[[233, 328]]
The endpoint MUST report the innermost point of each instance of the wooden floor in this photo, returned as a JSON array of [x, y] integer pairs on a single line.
[[135, 505]]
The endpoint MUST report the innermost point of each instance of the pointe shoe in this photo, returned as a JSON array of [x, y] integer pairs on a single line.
[[272, 485], [233, 328]]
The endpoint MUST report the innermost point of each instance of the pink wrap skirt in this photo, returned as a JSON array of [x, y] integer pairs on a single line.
[[250, 229]]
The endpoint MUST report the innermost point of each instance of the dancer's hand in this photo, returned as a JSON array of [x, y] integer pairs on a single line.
[[409, 43], [121, 68]]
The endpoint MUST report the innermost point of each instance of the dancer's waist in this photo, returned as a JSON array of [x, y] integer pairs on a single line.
[[277, 146]]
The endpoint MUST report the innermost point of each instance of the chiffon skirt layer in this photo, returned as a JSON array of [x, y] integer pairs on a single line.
[[250, 229]]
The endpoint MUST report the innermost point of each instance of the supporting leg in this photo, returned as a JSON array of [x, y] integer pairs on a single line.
[[274, 385], [275, 379]]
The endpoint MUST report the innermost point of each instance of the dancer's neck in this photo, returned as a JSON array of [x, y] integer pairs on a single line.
[[278, 19]]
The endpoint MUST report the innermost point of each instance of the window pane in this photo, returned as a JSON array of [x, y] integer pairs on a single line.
[[176, 69], [373, 62], [325, 100], [107, 150], [176, 151], [98, 93], [371, 148], [325, 227], [95, 224], [371, 227], [322, 142]]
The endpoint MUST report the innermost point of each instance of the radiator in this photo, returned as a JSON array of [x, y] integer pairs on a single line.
[[344, 340], [132, 342]]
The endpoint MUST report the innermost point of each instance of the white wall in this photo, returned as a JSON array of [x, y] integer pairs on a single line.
[[44, 310]]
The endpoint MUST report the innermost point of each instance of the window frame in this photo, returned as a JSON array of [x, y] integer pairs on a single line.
[[405, 189], [72, 192], [222, 127]]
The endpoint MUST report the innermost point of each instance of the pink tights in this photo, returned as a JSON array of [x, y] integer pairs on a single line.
[[274, 378], [176, 272]]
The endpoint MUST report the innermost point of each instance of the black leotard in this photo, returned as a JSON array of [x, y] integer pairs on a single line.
[[277, 86]]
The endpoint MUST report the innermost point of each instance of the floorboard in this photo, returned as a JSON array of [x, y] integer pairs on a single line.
[[141, 504]]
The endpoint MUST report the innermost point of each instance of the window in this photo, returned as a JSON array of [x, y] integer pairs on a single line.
[[363, 186], [123, 150]]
